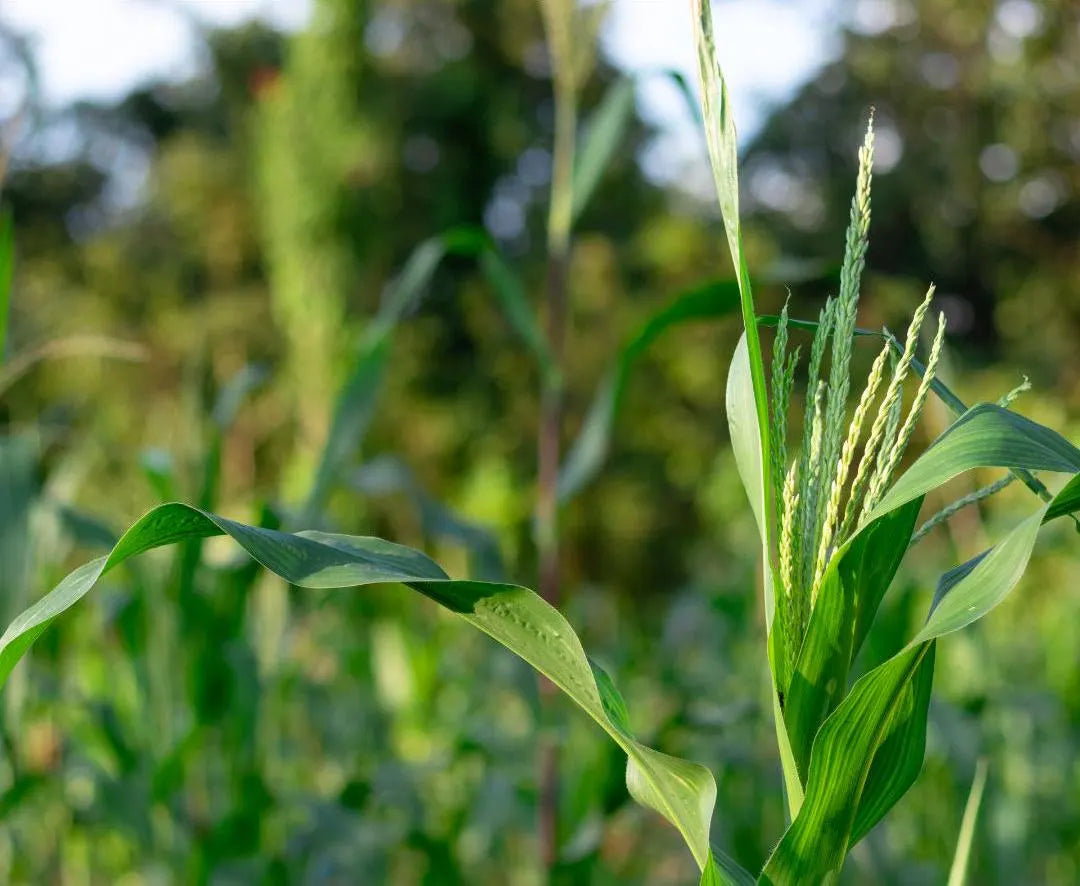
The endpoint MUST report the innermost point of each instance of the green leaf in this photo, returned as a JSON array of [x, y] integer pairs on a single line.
[[603, 135], [852, 589], [749, 367], [748, 446], [234, 392], [848, 786], [986, 436], [959, 869], [724, 871], [593, 442], [19, 490], [751, 461], [817, 841], [899, 758], [1066, 501], [683, 792]]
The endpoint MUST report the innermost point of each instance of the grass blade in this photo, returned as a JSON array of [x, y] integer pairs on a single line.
[[19, 454], [604, 133], [986, 436], [851, 590], [962, 858], [750, 459]]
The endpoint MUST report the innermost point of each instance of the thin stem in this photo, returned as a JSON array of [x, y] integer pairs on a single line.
[[558, 18]]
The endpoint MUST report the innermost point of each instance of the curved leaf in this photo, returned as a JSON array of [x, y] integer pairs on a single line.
[[724, 871], [862, 568], [986, 436], [603, 134], [751, 462], [683, 792], [959, 869], [851, 590], [844, 799]]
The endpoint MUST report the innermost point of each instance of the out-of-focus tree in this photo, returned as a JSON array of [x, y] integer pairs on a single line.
[[977, 111]]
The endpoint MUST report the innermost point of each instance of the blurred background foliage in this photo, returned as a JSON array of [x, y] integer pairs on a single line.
[[229, 239]]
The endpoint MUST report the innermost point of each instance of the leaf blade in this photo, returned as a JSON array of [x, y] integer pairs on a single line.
[[683, 792]]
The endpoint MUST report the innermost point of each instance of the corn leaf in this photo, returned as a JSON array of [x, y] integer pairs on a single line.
[[724, 871], [851, 591], [683, 792], [986, 436], [844, 799], [958, 871], [19, 491], [593, 442], [750, 460], [603, 135]]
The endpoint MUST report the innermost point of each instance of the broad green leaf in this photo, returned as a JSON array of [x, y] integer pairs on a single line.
[[986, 584], [1066, 501], [986, 436], [604, 133], [899, 758], [683, 792], [751, 460], [843, 796], [590, 447], [851, 591], [817, 841]]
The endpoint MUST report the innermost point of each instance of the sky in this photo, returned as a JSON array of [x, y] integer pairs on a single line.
[[99, 49]]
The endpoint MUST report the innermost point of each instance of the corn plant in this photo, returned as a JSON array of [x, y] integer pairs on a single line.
[[835, 527], [834, 519]]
